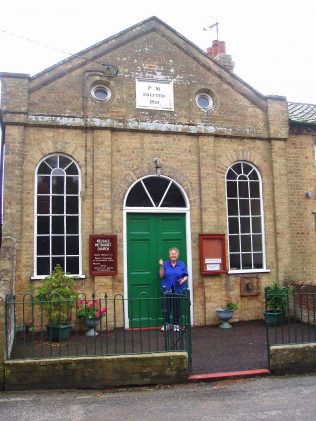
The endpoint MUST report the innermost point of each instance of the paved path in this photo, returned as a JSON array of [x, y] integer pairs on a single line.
[[213, 349], [271, 398], [241, 348]]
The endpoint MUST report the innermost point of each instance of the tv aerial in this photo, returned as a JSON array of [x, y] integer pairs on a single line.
[[212, 26]]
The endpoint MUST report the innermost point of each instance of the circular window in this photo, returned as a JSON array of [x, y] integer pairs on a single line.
[[204, 101], [101, 93]]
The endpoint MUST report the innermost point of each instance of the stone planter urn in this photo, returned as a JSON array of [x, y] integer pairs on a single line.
[[91, 325], [224, 316]]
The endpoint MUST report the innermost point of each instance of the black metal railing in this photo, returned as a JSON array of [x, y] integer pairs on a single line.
[[37, 329], [290, 315]]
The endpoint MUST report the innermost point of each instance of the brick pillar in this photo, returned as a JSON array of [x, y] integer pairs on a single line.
[[209, 221], [13, 182], [281, 208], [209, 218], [14, 108], [279, 129], [102, 198]]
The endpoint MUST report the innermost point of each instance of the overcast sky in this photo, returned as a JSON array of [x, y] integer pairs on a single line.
[[272, 41]]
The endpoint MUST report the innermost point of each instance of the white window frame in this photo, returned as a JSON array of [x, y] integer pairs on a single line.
[[210, 99], [101, 87], [154, 209], [79, 275], [256, 270]]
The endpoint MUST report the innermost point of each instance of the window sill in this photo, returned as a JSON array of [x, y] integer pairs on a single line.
[[39, 277], [239, 272]]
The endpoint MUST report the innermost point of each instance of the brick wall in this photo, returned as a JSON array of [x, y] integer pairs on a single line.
[[115, 144], [302, 178]]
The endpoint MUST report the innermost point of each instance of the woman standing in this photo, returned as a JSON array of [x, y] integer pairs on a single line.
[[174, 276]]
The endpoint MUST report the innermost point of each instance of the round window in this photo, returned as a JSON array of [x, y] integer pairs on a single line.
[[204, 101], [101, 93]]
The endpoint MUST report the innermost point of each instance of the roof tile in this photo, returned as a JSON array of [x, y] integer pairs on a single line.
[[302, 113]]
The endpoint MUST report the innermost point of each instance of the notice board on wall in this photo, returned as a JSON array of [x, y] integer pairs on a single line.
[[212, 254], [103, 255]]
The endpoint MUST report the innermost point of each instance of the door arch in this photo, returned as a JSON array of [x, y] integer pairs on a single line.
[[158, 199]]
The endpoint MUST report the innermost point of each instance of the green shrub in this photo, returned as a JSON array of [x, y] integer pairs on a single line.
[[57, 296], [277, 297]]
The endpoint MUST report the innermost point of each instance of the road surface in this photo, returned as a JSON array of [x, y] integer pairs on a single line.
[[270, 398]]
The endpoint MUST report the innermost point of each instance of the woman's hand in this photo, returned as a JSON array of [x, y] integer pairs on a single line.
[[183, 280], [161, 269]]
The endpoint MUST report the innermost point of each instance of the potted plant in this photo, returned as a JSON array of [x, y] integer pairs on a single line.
[[226, 312], [91, 312], [56, 297], [276, 304]]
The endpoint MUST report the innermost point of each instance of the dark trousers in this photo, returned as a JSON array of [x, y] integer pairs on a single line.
[[176, 309], [171, 309]]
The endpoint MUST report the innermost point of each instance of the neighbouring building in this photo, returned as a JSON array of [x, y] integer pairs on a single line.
[[147, 140]]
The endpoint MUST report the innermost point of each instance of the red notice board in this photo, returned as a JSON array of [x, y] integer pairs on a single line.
[[103, 255], [212, 254]]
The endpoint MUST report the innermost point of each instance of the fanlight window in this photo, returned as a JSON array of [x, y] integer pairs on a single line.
[[156, 192], [245, 218], [57, 222]]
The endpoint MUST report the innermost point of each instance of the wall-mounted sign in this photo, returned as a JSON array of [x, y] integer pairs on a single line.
[[212, 267], [212, 254], [154, 94], [103, 255], [213, 260]]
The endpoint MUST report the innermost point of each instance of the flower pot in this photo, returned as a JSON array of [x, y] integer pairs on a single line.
[[59, 332], [91, 325], [274, 318], [224, 316]]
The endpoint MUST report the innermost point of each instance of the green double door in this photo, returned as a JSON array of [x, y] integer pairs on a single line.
[[149, 237]]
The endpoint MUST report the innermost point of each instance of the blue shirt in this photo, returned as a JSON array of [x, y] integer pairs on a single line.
[[172, 274]]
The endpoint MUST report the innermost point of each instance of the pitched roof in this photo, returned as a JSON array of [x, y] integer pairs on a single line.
[[302, 113], [104, 47]]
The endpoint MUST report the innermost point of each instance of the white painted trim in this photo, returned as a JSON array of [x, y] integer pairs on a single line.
[[165, 193], [264, 257], [80, 275], [126, 321], [157, 210], [189, 261], [39, 277], [101, 87], [238, 272], [208, 96], [147, 192], [161, 176]]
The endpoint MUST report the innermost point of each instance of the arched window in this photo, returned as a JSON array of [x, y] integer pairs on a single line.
[[245, 218], [156, 192], [57, 216]]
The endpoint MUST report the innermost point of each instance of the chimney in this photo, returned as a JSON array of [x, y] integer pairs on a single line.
[[218, 52]]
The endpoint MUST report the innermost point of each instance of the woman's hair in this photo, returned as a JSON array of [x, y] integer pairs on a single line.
[[175, 249]]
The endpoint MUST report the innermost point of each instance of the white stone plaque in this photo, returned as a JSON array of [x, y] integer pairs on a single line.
[[154, 94]]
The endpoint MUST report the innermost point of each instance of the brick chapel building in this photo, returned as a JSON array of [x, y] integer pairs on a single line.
[[149, 139]]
